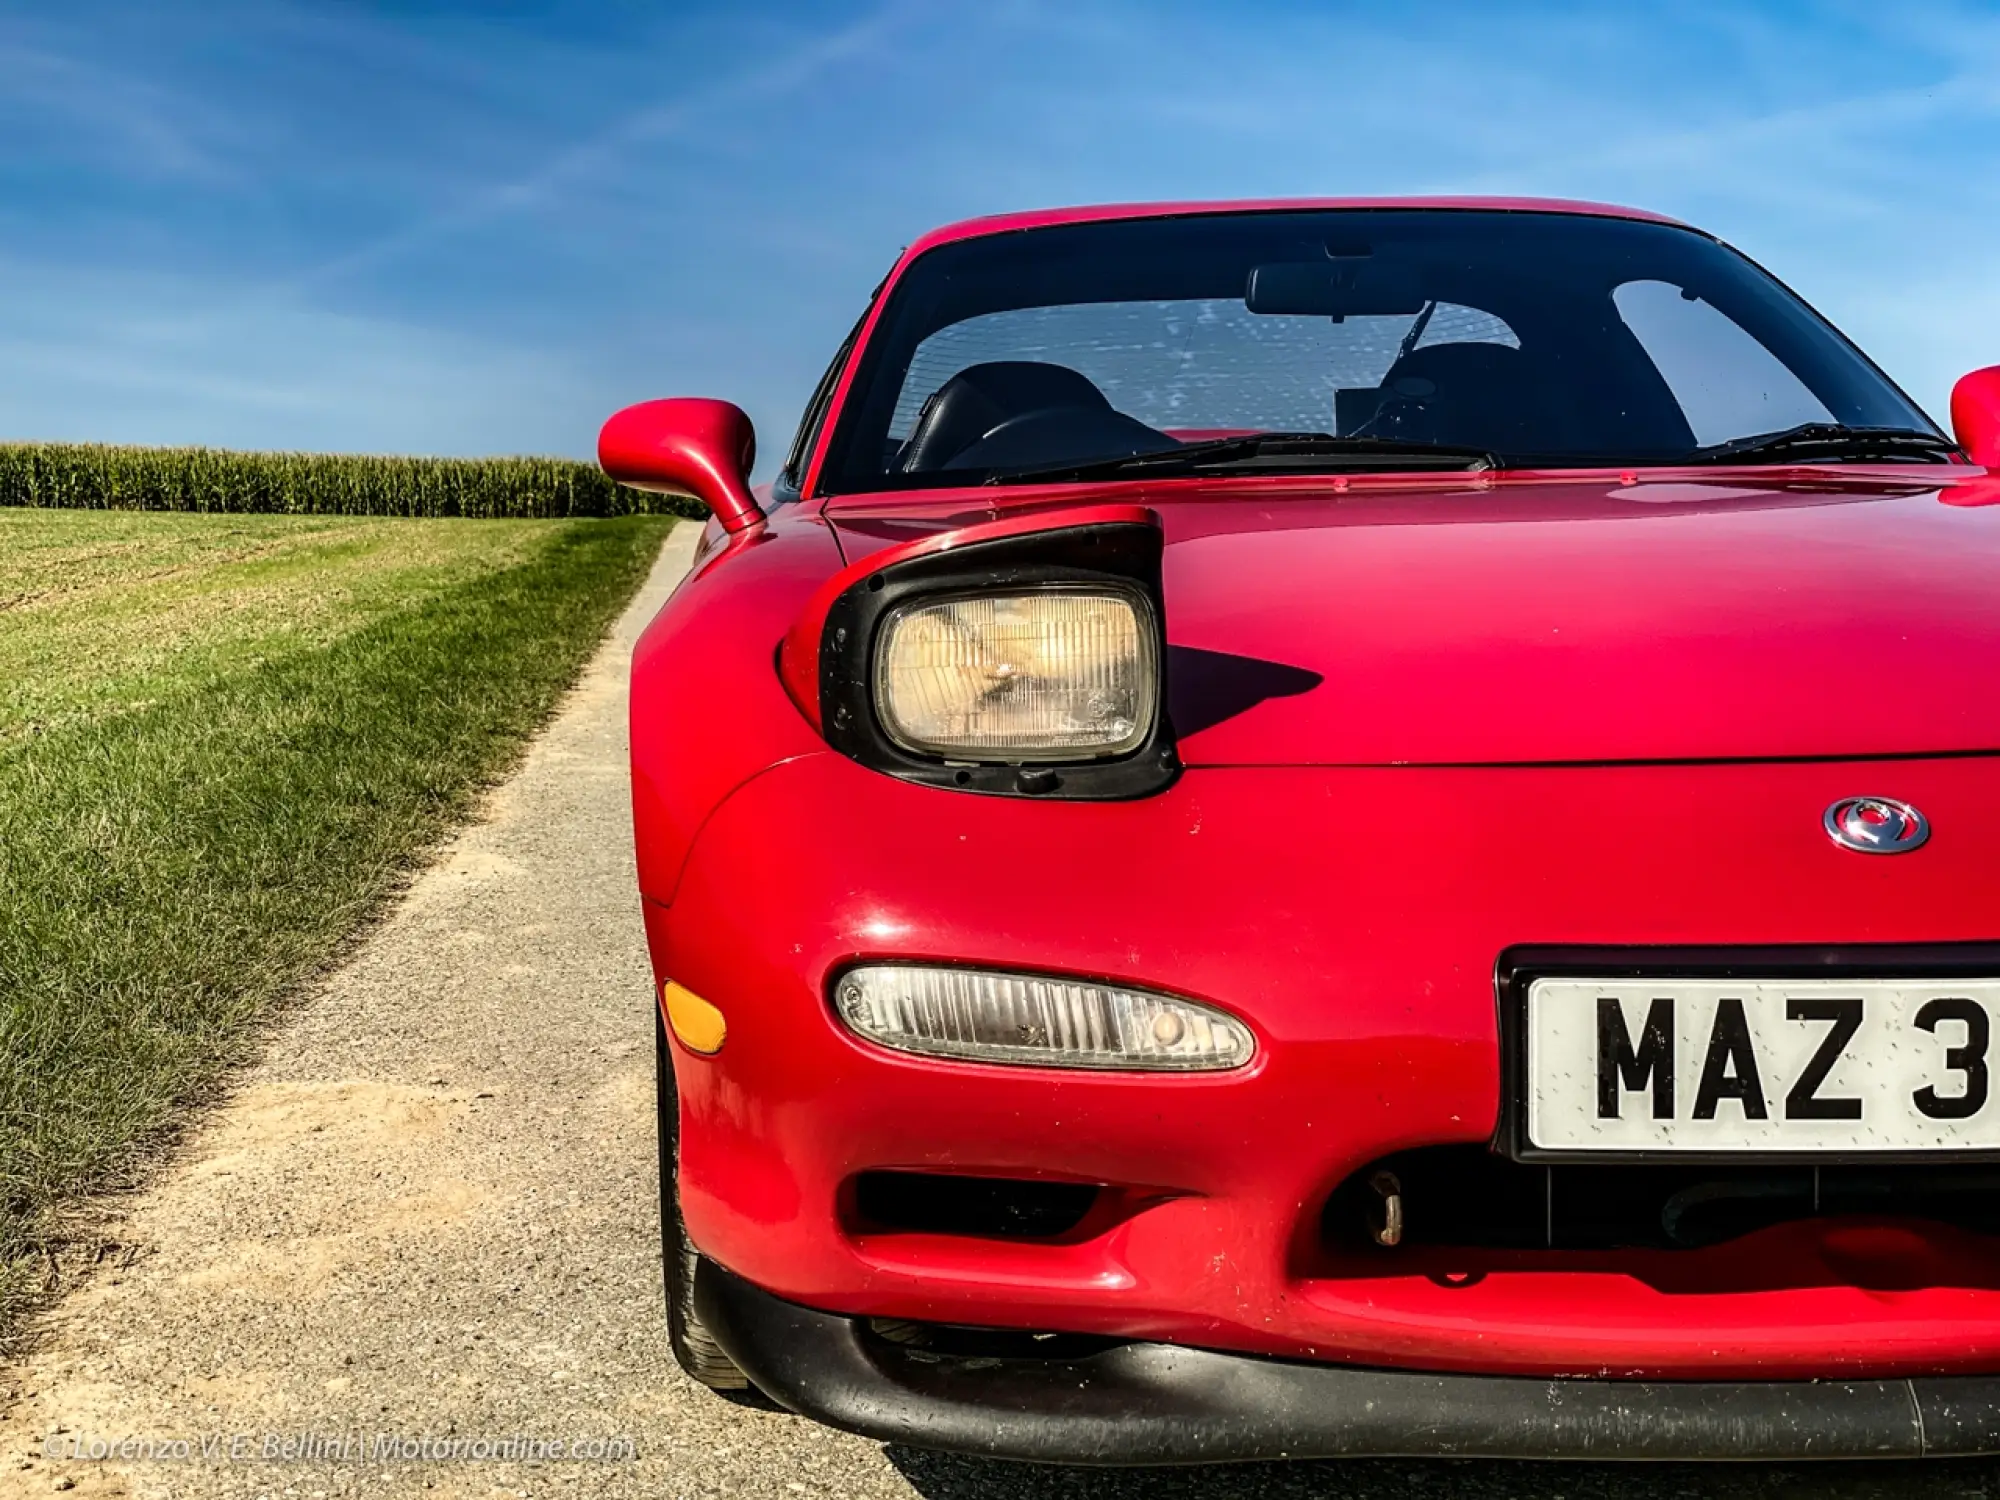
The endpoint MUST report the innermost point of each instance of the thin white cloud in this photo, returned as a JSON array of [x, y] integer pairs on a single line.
[[1844, 137], [71, 106], [752, 86]]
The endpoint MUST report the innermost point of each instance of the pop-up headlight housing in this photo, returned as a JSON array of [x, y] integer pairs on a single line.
[[1022, 658]]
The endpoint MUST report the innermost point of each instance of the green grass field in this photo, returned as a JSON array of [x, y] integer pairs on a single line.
[[222, 741]]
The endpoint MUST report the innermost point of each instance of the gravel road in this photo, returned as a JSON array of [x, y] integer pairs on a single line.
[[428, 1212]]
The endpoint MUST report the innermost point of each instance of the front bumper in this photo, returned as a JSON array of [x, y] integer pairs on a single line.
[[1145, 1403], [1353, 917]]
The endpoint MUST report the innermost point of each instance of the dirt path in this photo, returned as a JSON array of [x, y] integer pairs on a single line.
[[429, 1212]]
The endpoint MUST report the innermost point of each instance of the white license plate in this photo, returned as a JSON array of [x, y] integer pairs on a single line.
[[1779, 1065]]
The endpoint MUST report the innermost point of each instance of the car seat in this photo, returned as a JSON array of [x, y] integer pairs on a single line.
[[980, 397]]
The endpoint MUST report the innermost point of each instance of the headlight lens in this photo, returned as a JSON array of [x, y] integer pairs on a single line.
[[1053, 674], [982, 1016]]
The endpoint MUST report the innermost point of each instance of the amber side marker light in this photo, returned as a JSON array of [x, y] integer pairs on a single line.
[[697, 1024], [1039, 1020]]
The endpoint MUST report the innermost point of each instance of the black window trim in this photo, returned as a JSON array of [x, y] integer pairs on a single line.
[[865, 372], [790, 481]]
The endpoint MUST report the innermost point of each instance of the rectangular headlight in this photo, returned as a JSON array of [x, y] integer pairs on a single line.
[[1056, 673], [983, 1016]]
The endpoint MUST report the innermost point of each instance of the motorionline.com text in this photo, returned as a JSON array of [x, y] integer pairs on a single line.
[[337, 1447]]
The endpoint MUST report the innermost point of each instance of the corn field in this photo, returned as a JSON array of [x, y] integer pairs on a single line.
[[94, 476]]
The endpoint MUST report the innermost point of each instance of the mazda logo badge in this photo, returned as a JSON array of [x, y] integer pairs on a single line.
[[1876, 825]]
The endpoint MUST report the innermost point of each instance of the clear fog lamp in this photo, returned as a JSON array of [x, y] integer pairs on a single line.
[[1048, 674], [983, 1016]]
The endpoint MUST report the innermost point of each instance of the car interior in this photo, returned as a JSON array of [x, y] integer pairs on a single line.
[[1006, 414], [1009, 412]]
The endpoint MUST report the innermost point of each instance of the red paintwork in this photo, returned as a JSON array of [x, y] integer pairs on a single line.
[[1526, 679], [1365, 965], [1092, 213], [1975, 415], [686, 445], [1474, 620]]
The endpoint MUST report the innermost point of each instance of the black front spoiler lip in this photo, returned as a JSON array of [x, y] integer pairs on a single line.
[[1163, 1404]]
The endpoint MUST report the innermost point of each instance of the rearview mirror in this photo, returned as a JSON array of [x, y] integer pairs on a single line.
[[1975, 415], [686, 446], [1335, 288]]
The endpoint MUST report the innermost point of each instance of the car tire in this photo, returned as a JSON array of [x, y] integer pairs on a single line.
[[695, 1348]]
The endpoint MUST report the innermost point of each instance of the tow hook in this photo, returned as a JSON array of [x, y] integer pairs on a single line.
[[1385, 1219]]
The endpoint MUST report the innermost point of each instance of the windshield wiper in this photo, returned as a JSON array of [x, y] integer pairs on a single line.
[[1263, 452], [1824, 442]]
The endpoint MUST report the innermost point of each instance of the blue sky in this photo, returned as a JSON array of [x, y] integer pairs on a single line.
[[479, 227]]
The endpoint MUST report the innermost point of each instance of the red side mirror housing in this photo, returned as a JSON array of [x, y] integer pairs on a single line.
[[1975, 415], [686, 446]]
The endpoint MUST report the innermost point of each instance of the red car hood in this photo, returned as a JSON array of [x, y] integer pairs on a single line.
[[1694, 616]]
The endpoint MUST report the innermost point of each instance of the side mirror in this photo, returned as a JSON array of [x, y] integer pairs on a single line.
[[686, 446], [1975, 416]]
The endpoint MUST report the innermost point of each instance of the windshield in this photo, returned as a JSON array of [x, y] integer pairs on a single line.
[[1544, 339]]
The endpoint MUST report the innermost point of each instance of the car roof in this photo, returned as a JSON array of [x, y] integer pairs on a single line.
[[967, 229]]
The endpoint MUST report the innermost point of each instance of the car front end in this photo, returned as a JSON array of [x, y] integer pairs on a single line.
[[1354, 956]]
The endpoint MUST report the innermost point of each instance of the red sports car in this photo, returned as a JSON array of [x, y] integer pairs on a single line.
[[1339, 827]]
